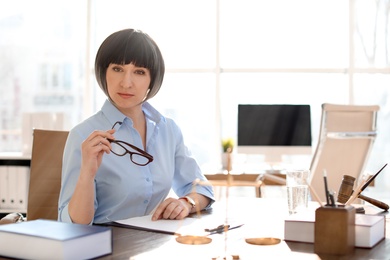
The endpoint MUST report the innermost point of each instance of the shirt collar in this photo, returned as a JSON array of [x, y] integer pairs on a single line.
[[114, 115]]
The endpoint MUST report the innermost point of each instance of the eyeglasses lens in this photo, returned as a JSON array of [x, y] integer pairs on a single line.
[[135, 157]]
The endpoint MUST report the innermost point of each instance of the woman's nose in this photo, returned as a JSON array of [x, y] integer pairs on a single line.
[[127, 80]]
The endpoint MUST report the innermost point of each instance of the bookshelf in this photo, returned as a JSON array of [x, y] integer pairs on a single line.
[[14, 181]]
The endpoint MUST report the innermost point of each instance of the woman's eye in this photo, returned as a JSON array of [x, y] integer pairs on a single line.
[[141, 72], [117, 69]]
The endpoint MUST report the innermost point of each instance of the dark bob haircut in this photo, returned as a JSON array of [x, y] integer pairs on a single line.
[[130, 46]]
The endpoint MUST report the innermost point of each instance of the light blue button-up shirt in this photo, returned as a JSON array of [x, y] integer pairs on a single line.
[[122, 188]]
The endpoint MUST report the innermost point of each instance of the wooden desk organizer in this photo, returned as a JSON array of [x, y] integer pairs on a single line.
[[334, 230]]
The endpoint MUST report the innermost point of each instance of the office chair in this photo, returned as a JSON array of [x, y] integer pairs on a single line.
[[347, 133], [45, 174]]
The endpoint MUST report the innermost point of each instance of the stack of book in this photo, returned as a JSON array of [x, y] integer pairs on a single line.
[[48, 239], [369, 229]]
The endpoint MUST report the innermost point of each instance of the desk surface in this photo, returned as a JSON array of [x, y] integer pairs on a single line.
[[262, 218]]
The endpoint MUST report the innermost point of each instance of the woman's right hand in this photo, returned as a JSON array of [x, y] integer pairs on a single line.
[[92, 150], [81, 205]]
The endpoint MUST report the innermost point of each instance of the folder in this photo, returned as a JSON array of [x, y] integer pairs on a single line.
[[12, 187], [23, 174], [4, 187]]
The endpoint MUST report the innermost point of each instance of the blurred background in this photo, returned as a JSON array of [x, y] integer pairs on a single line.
[[218, 54]]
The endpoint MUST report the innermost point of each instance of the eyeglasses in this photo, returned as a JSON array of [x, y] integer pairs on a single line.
[[140, 157]]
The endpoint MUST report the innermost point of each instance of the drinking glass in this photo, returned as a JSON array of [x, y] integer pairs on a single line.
[[297, 190]]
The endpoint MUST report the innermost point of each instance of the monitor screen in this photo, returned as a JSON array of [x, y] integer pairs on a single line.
[[278, 129]]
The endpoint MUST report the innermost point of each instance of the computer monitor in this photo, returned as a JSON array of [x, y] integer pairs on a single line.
[[274, 130]]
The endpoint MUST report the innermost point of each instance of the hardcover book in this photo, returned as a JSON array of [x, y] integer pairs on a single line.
[[48, 239], [369, 229]]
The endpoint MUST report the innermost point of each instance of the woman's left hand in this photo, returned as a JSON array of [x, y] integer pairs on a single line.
[[172, 209]]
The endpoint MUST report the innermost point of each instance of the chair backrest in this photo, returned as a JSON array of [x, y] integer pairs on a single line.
[[45, 173], [347, 133]]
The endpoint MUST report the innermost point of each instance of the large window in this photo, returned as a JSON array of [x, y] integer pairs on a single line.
[[218, 54], [42, 62]]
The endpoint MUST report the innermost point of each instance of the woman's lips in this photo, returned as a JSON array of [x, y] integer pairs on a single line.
[[125, 95]]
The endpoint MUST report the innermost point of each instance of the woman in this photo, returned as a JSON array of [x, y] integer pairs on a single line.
[[123, 161]]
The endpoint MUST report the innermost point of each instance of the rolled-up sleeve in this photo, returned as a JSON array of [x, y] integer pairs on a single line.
[[187, 170]]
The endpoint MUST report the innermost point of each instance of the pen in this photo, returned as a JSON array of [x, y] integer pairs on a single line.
[[362, 186], [356, 192], [221, 228], [326, 188], [313, 192], [372, 178], [331, 196]]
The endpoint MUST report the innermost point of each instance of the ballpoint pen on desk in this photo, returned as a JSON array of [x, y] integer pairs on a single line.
[[218, 229], [221, 228]]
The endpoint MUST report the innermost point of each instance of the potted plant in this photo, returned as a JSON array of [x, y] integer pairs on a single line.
[[227, 145], [227, 148]]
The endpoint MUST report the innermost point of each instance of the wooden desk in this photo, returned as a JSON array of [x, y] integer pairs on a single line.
[[263, 218], [256, 180], [249, 180]]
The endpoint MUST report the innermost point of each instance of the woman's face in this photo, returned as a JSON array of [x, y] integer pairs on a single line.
[[127, 86]]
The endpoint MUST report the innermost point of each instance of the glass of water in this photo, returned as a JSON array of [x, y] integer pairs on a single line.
[[297, 190]]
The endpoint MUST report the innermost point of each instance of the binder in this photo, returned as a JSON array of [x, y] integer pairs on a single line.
[[12, 187], [23, 173], [4, 187]]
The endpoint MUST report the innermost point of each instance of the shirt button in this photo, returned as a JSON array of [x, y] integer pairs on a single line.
[[147, 179], [146, 201]]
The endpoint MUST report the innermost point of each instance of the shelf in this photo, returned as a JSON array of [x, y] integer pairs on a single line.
[[15, 159]]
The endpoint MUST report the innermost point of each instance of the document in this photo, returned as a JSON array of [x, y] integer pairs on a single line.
[[168, 226], [191, 225]]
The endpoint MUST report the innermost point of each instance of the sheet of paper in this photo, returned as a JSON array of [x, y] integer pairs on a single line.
[[196, 225], [189, 225]]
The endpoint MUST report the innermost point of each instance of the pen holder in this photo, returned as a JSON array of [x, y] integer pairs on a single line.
[[334, 231]]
